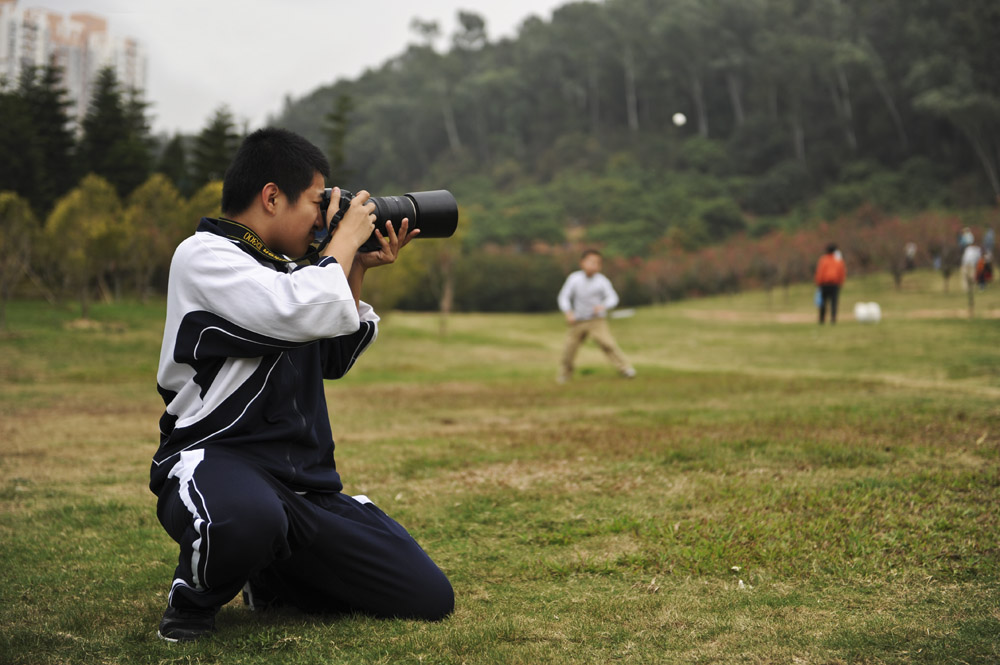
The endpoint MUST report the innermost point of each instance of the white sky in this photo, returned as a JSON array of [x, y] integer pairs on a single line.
[[250, 54]]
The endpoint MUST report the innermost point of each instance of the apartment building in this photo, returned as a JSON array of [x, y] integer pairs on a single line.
[[78, 43]]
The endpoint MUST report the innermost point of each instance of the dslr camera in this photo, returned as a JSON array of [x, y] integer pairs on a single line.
[[435, 213]]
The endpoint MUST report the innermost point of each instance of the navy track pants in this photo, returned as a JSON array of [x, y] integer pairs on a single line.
[[321, 552], [829, 294]]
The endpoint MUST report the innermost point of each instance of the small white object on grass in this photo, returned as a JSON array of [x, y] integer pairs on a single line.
[[867, 312]]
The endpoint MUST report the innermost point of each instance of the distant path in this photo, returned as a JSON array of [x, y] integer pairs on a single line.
[[896, 380], [810, 317]]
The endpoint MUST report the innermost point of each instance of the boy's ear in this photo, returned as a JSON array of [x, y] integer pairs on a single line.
[[269, 197]]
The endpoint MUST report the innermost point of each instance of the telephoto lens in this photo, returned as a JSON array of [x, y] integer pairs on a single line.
[[434, 212]]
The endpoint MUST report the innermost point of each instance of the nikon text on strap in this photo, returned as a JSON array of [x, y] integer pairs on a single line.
[[249, 239]]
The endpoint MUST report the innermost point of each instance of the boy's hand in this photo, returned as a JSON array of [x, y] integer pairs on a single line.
[[390, 243]]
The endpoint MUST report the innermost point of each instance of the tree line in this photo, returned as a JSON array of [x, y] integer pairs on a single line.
[[94, 242], [45, 154], [99, 207], [800, 114]]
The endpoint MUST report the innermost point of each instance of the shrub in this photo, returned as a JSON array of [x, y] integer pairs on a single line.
[[704, 155], [778, 190], [490, 282], [722, 217]]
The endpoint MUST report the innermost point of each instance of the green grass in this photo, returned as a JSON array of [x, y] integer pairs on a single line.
[[849, 477]]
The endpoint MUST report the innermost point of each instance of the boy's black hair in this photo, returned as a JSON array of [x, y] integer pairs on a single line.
[[831, 248], [271, 155]]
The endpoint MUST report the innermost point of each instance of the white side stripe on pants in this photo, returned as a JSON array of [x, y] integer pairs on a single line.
[[184, 472]]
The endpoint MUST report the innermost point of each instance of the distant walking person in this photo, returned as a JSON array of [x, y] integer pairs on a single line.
[[830, 275], [585, 299], [971, 256]]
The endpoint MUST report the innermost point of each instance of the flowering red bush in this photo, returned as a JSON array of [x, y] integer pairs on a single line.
[[869, 241]]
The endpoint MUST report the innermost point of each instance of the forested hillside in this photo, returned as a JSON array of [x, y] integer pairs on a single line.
[[703, 145], [796, 110]]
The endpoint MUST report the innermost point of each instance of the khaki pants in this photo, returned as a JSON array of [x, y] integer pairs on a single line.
[[599, 331], [968, 276]]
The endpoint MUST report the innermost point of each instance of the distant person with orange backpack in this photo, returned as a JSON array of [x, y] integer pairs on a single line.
[[830, 275]]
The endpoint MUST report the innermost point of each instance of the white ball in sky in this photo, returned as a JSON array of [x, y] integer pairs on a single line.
[[680, 119]]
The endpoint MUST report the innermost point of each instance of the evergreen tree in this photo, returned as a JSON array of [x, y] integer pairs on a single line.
[[47, 106], [214, 148], [101, 127], [20, 157], [137, 146], [335, 129], [115, 142], [174, 164]]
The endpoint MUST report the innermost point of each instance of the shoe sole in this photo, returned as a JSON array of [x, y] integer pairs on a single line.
[[176, 640]]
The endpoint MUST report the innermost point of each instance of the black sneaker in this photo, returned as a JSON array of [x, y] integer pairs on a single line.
[[186, 625]]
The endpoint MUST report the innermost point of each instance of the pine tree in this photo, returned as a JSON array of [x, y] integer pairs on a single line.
[[137, 145], [20, 158], [214, 148], [174, 164], [47, 106], [115, 142], [102, 126], [335, 129]]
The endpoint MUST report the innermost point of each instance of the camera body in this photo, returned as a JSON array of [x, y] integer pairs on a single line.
[[434, 212]]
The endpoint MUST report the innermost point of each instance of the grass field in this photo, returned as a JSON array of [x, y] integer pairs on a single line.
[[765, 491]]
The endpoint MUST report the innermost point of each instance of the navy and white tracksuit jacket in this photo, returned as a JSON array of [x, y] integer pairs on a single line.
[[245, 350], [245, 473]]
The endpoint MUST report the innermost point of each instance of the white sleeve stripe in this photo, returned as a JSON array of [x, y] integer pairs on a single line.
[[362, 345], [234, 336]]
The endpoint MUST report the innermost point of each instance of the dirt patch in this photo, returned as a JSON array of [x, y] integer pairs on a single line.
[[95, 326], [735, 316], [958, 313]]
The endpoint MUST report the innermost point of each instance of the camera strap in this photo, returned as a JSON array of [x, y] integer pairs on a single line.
[[247, 237]]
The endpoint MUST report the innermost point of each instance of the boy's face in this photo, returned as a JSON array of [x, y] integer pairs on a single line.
[[296, 224], [591, 264]]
